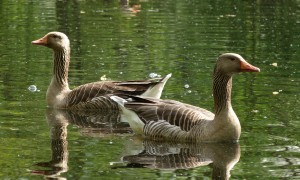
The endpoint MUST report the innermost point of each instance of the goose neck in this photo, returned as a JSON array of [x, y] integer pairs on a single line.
[[61, 61], [222, 84]]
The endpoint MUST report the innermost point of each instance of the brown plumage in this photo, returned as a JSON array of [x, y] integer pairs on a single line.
[[88, 95], [171, 120]]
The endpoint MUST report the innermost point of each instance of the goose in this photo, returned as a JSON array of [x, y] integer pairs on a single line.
[[91, 95], [159, 119]]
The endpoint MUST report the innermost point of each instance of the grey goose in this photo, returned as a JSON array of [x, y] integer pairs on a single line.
[[175, 121], [91, 95]]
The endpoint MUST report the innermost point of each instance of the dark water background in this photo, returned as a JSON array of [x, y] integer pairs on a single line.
[[129, 40]]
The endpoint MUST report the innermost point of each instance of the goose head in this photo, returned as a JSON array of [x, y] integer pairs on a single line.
[[230, 63], [54, 40]]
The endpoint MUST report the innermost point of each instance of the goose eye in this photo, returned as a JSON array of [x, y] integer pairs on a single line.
[[55, 36], [232, 59]]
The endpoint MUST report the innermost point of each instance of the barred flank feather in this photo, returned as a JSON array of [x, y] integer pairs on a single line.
[[161, 130]]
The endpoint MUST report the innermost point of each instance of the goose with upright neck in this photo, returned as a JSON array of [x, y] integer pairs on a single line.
[[91, 95], [176, 121]]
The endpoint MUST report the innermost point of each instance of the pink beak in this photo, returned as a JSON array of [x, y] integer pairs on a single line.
[[41, 41], [246, 67]]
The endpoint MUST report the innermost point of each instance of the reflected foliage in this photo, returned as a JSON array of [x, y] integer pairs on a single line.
[[131, 39]]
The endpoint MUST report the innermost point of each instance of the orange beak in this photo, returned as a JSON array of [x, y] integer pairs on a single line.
[[41, 41], [246, 67]]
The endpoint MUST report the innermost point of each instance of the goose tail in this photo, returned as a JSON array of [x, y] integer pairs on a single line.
[[156, 90], [129, 116], [120, 101]]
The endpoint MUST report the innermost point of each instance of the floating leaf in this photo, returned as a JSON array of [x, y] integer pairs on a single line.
[[103, 78], [274, 64], [230, 15], [154, 75], [33, 88]]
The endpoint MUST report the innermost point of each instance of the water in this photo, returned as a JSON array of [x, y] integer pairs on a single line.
[[131, 42]]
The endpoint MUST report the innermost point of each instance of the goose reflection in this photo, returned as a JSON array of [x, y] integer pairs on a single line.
[[95, 124], [167, 156]]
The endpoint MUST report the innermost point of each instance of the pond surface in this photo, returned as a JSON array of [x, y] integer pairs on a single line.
[[130, 40]]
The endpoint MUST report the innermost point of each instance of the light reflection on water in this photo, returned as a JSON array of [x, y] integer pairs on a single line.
[[183, 38]]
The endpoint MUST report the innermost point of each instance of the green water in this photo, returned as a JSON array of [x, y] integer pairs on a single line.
[[130, 41]]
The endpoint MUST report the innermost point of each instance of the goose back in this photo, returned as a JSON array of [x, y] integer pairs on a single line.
[[167, 119], [175, 113], [86, 93]]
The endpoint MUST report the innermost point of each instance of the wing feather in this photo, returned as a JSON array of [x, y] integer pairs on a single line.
[[86, 92], [175, 113]]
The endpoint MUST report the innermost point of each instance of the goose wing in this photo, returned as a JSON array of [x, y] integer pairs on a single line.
[[87, 92], [178, 114]]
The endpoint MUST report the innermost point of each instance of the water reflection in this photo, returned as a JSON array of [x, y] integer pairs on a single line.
[[144, 154], [222, 157], [91, 123], [59, 145]]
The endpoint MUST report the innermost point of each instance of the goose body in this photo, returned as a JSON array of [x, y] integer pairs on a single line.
[[91, 95], [172, 120]]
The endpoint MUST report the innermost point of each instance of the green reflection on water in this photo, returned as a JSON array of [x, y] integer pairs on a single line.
[[182, 37]]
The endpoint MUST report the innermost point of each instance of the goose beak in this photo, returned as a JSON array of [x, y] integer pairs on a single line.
[[246, 67], [41, 41]]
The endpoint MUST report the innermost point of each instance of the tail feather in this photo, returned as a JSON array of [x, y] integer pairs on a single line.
[[119, 100], [129, 116], [156, 90]]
